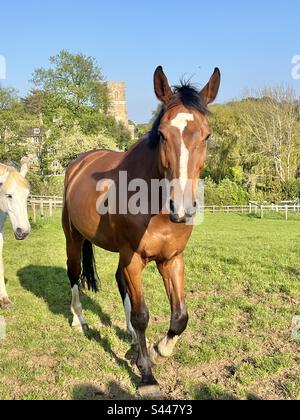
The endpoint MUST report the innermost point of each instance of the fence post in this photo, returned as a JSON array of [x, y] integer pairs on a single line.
[[286, 212], [51, 207], [33, 212], [42, 208]]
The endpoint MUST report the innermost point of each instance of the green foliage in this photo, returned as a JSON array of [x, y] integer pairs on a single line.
[[143, 129], [48, 186], [73, 78], [226, 192], [291, 190]]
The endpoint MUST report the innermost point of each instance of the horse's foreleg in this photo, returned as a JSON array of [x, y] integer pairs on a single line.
[[173, 275], [140, 319], [4, 300]]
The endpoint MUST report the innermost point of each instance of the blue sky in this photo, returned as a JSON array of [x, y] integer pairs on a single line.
[[253, 42]]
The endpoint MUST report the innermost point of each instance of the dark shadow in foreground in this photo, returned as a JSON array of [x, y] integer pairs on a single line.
[[91, 393]]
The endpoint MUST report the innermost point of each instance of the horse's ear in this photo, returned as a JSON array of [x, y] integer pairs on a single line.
[[210, 91], [24, 170], [161, 85]]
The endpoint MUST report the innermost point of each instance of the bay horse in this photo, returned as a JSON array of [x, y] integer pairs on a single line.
[[14, 192], [175, 148]]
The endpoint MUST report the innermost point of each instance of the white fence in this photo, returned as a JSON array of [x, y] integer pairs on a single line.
[[285, 209], [44, 205]]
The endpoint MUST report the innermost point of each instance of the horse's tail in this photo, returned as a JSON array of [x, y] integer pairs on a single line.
[[89, 274]]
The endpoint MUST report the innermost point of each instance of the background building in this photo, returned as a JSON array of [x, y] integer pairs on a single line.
[[118, 105]]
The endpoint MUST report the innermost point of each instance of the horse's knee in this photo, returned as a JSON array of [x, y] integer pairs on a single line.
[[179, 324]]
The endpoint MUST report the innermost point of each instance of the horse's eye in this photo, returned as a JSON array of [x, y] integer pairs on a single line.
[[162, 138], [9, 196], [208, 137]]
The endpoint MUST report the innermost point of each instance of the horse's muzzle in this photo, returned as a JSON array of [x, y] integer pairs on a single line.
[[188, 214], [21, 234]]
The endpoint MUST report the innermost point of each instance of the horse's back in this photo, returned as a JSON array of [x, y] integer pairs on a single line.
[[99, 160]]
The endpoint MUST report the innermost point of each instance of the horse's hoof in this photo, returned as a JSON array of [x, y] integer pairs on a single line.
[[6, 304], [155, 357], [150, 392], [82, 329], [85, 328]]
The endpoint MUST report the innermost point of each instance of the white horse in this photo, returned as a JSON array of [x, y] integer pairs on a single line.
[[14, 192]]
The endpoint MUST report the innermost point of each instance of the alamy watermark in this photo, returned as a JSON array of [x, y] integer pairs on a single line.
[[296, 67], [182, 202], [2, 67]]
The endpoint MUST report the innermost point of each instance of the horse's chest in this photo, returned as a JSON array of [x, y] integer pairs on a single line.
[[163, 245]]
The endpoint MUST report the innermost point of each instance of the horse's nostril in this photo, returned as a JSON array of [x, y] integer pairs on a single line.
[[19, 232], [172, 206]]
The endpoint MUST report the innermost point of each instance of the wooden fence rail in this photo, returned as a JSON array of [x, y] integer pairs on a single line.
[[44, 205]]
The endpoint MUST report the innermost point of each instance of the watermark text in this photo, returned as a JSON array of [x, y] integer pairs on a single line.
[[2, 67], [296, 67]]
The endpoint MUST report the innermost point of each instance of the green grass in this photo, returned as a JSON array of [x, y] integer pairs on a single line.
[[243, 289]]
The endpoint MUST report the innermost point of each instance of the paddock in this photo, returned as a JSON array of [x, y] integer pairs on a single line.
[[243, 291]]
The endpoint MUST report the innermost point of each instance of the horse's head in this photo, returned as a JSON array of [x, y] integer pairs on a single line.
[[14, 192], [184, 132]]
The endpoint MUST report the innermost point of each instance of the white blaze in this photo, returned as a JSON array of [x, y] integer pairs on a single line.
[[180, 122]]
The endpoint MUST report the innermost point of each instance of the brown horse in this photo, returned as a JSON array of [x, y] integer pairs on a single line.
[[175, 149]]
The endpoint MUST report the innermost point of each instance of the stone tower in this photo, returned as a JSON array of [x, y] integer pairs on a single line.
[[118, 105]]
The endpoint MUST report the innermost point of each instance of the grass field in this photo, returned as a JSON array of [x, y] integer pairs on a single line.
[[243, 290]]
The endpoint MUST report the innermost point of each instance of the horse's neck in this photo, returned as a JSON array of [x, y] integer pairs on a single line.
[[142, 161], [3, 217]]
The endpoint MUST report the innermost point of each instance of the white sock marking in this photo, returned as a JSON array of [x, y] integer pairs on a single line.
[[167, 346], [76, 308]]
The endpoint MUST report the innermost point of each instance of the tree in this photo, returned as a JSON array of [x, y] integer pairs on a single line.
[[272, 121], [14, 122], [8, 97], [75, 79]]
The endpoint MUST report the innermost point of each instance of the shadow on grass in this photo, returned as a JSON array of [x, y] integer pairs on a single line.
[[51, 285], [88, 392]]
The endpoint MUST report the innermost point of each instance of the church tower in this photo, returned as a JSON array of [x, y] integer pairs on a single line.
[[118, 105]]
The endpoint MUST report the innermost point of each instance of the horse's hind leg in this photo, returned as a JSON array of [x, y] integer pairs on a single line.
[[74, 251], [126, 302], [173, 275]]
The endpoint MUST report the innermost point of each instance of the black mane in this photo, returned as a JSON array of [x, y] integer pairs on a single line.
[[189, 97]]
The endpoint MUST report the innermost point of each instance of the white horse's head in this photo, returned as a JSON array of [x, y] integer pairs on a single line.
[[14, 192]]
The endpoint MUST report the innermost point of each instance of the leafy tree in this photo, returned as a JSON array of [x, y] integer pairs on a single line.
[[14, 122], [75, 79]]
